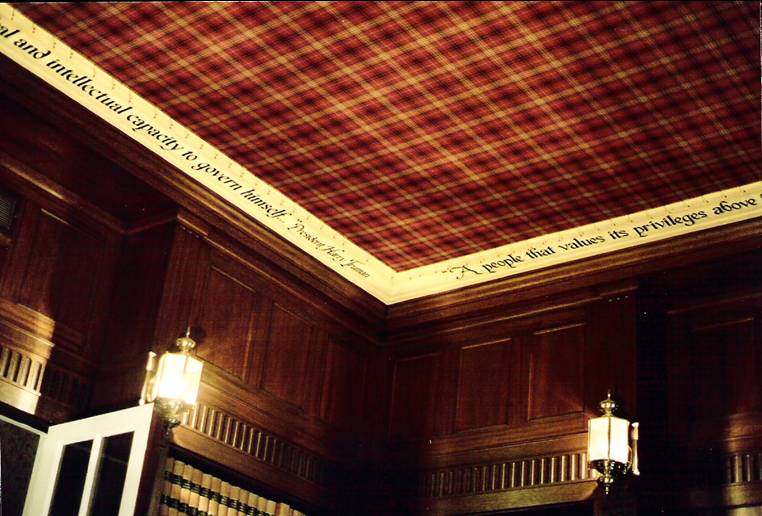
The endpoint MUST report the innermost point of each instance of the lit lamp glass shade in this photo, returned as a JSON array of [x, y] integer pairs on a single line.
[[608, 445], [178, 377], [609, 439], [173, 384]]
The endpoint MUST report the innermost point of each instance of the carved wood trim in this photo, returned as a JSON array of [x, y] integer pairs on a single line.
[[490, 477], [39, 326], [259, 444], [35, 375], [21, 369], [743, 467]]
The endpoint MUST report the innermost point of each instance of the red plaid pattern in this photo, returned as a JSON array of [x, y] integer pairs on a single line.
[[428, 130]]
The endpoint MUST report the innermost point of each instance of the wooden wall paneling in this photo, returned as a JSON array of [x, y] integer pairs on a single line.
[[138, 291], [415, 384], [172, 266], [267, 279], [703, 386], [185, 281], [289, 347], [57, 159], [377, 404], [62, 268], [132, 321], [611, 349], [555, 371], [714, 364], [55, 289], [486, 372], [344, 384], [227, 312]]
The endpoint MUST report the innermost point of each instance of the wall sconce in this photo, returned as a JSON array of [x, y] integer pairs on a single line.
[[173, 384], [608, 445]]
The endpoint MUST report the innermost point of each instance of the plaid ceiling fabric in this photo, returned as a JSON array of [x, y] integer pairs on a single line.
[[424, 131]]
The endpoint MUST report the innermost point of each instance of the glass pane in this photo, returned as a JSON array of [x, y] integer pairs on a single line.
[[71, 479], [112, 470]]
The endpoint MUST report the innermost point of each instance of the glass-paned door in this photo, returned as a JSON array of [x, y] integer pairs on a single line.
[[90, 466]]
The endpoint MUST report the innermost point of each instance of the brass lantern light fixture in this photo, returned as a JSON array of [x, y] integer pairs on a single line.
[[612, 446], [173, 383]]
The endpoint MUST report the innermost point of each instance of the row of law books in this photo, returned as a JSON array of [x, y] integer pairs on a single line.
[[188, 490]]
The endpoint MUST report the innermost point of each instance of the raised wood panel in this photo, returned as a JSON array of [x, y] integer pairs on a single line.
[[713, 371], [143, 261], [415, 384], [344, 386], [61, 274], [227, 313], [555, 371], [727, 364], [485, 374], [37, 146], [60, 269], [287, 356]]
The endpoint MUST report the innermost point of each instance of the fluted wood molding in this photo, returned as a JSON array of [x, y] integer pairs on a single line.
[[500, 476], [260, 445]]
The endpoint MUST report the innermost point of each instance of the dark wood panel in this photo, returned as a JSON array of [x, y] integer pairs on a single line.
[[713, 371], [415, 385], [727, 362], [555, 371], [485, 374], [62, 272], [73, 165], [60, 269], [227, 312], [343, 386], [287, 356]]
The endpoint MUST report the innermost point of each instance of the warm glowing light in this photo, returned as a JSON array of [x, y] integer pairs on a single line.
[[174, 382], [608, 439], [609, 442], [178, 377]]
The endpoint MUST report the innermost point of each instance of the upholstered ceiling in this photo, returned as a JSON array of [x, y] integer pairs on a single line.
[[425, 131]]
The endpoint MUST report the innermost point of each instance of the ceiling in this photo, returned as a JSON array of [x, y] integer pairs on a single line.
[[424, 131]]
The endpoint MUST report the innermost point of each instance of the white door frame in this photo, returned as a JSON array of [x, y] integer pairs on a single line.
[[47, 461]]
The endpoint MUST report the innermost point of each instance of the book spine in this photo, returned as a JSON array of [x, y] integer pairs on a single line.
[[262, 506], [204, 494], [166, 487], [214, 496], [224, 498], [176, 480], [195, 491], [251, 504], [233, 501], [185, 489]]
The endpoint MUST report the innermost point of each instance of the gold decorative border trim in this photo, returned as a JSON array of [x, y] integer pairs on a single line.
[[74, 75]]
